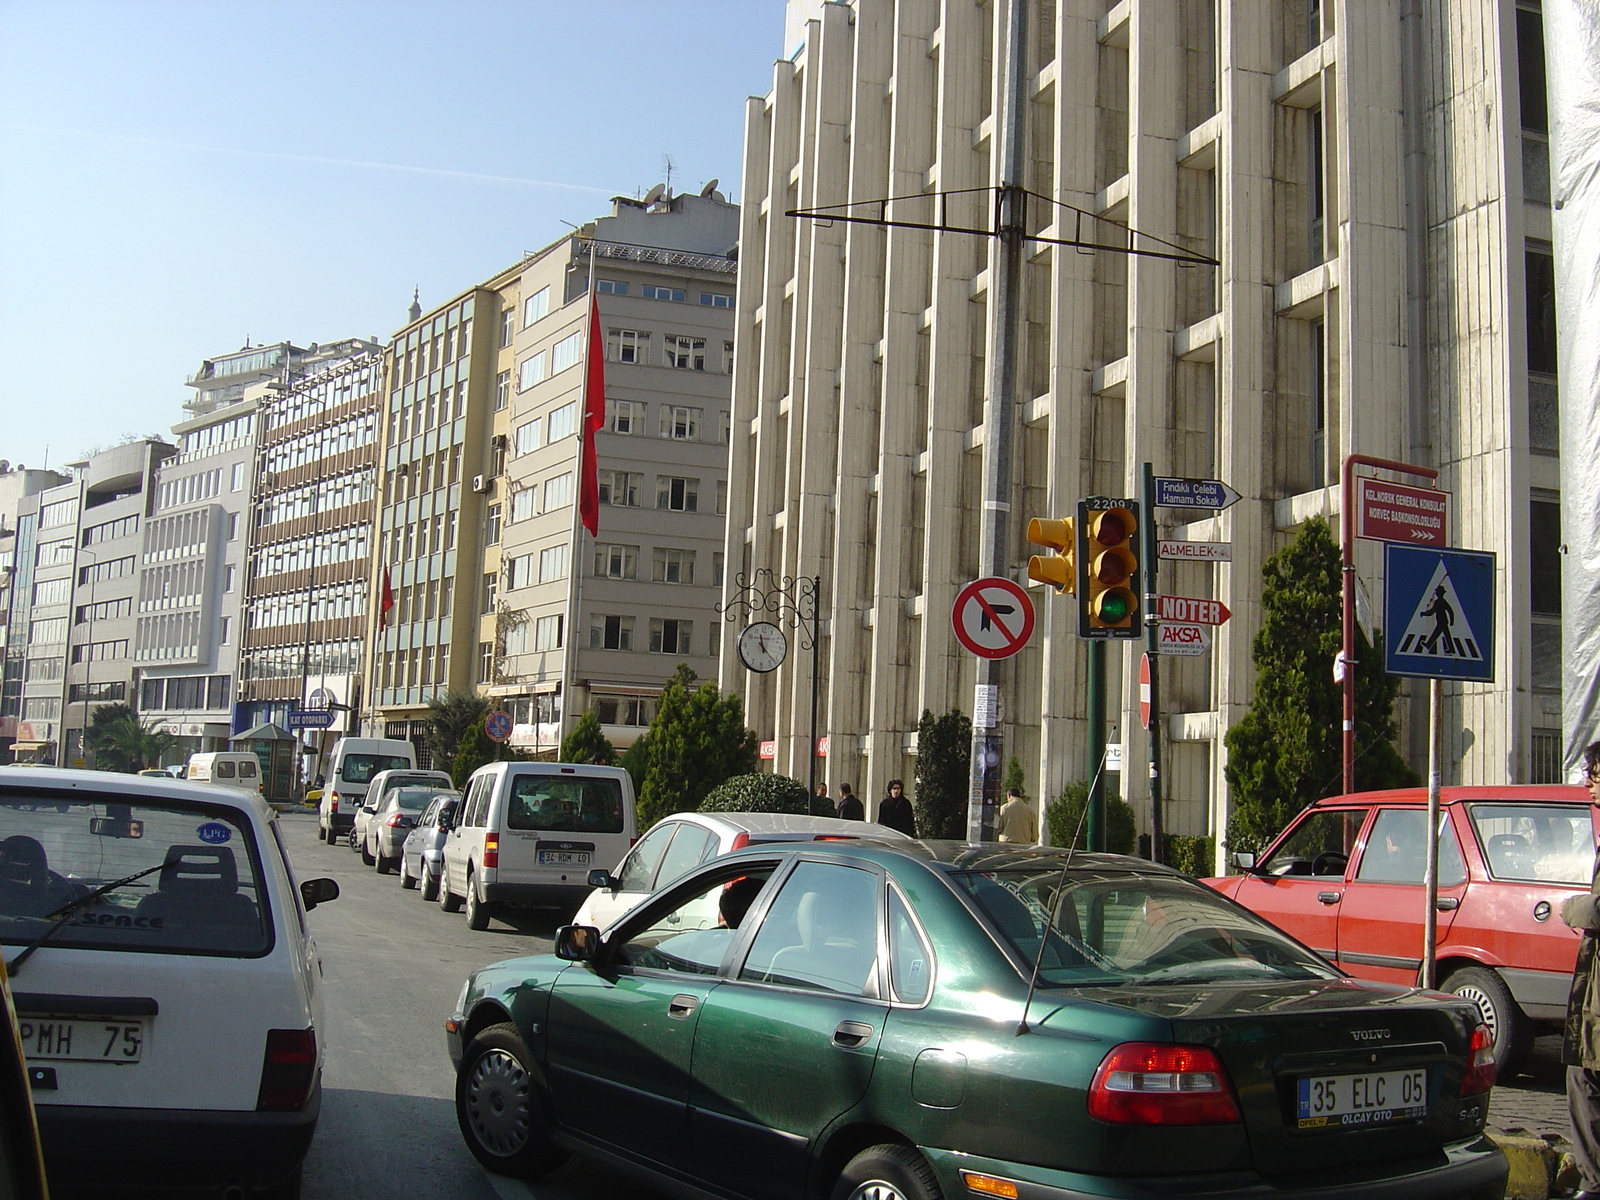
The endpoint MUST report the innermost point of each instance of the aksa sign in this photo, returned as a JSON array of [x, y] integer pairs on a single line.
[[1185, 641]]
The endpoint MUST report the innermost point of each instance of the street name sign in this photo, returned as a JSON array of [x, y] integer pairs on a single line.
[[993, 617], [1184, 641], [310, 718], [1399, 512], [1189, 611], [1194, 493], [1195, 551], [1438, 613]]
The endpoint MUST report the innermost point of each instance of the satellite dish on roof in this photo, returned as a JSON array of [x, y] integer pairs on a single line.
[[710, 187], [655, 193]]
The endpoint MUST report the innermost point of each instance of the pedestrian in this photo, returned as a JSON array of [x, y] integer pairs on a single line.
[[1017, 821], [1580, 1048], [894, 810], [821, 805], [850, 806]]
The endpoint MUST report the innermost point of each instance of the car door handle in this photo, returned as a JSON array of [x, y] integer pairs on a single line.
[[1446, 903], [850, 1034], [1328, 897], [681, 1006]]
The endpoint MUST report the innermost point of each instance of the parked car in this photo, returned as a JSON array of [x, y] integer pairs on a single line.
[[168, 996], [678, 843], [226, 768], [382, 784], [419, 856], [355, 761], [1346, 878], [876, 1019], [529, 833], [392, 823]]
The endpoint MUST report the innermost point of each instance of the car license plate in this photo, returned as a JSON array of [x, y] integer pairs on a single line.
[[81, 1039], [1349, 1101], [564, 858]]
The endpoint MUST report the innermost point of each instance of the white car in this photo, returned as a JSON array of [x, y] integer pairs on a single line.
[[677, 844], [168, 993]]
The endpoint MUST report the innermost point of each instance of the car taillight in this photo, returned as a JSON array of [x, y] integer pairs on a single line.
[[289, 1070], [835, 837], [491, 850], [1480, 1073], [740, 840], [395, 821], [333, 804], [1157, 1083]]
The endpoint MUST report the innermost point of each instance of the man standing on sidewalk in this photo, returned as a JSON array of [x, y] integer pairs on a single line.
[[1580, 1047], [1017, 821]]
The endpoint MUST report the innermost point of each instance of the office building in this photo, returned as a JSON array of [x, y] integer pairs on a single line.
[[18, 485]]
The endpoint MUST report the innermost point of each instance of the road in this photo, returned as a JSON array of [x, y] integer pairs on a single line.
[[393, 966]]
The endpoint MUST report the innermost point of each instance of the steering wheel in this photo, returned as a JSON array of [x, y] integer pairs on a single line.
[[1330, 862]]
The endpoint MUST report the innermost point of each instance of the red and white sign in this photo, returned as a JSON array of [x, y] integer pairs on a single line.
[[822, 747], [1189, 611], [993, 617], [1398, 512], [1185, 641], [1144, 690], [1195, 551], [768, 750]]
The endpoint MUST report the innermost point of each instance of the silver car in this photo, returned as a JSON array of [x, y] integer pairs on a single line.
[[421, 856], [382, 784]]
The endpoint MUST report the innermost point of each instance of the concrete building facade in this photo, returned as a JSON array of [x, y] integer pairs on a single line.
[[1370, 174], [18, 487]]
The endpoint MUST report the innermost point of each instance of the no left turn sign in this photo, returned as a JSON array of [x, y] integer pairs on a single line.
[[993, 617]]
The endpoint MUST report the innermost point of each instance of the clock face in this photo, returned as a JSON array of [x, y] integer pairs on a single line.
[[762, 647]]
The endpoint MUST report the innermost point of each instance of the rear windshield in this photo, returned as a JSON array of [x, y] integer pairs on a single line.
[[1545, 843], [200, 896], [413, 799], [554, 802], [1107, 929], [360, 768]]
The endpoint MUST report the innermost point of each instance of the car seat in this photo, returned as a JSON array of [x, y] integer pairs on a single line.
[[1508, 854], [28, 887], [199, 886], [828, 954]]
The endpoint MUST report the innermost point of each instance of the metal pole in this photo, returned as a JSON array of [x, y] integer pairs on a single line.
[[1152, 643], [816, 655], [1095, 824], [1005, 315], [1430, 918]]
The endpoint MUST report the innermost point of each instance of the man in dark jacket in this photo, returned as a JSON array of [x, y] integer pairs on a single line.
[[850, 806], [1580, 1049], [894, 810]]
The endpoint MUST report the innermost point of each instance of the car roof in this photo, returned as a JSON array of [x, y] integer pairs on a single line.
[[137, 787], [1548, 792], [771, 824], [954, 856]]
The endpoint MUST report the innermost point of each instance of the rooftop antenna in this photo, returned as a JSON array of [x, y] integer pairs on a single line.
[[667, 164]]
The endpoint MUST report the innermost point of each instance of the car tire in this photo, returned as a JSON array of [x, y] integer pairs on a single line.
[[407, 879], [367, 856], [350, 839], [887, 1172], [1513, 1031], [498, 1107], [386, 866], [478, 913], [448, 900], [322, 834], [430, 883]]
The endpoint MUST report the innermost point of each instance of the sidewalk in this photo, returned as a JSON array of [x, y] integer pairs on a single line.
[[1528, 1119]]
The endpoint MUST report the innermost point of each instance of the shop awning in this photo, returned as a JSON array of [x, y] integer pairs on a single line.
[[30, 745]]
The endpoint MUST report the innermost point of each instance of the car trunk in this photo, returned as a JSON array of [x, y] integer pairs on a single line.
[[1300, 1054]]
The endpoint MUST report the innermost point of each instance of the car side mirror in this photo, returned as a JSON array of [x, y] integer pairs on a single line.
[[578, 943], [318, 891], [602, 878], [1245, 861]]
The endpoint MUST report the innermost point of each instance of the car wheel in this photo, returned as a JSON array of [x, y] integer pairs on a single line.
[[887, 1172], [497, 1106], [477, 911], [1512, 1030], [322, 834], [407, 879], [386, 866], [366, 855], [350, 839], [448, 900], [430, 883]]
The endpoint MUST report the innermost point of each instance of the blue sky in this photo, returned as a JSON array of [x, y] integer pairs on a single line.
[[176, 177]]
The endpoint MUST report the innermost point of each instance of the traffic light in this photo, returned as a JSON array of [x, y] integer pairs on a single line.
[[1108, 567], [1060, 569]]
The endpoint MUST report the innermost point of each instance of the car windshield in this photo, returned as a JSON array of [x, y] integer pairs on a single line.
[[1118, 928], [556, 802], [360, 768], [412, 799], [201, 895]]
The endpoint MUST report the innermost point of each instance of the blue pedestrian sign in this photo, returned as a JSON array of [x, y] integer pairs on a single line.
[[1193, 493], [1438, 613]]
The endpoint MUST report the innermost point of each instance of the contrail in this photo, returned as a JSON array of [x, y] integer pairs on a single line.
[[311, 158]]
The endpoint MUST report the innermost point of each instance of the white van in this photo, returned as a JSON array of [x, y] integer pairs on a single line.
[[355, 762], [528, 833], [226, 768]]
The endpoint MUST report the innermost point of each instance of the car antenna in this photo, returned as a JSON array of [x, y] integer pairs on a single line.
[[1044, 936]]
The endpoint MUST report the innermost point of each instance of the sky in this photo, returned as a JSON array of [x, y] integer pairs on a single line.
[[180, 176]]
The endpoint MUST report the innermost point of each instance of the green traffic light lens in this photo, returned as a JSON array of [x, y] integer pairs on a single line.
[[1114, 606]]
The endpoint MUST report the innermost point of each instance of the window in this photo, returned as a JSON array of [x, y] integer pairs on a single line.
[[716, 568], [223, 637], [53, 554], [518, 571], [508, 327], [1544, 843], [485, 662], [1544, 537], [126, 527], [727, 358], [624, 710], [62, 512], [48, 632], [680, 423], [528, 436], [674, 566], [236, 483], [1397, 849], [491, 524], [535, 306], [557, 492], [669, 636], [610, 632], [487, 596], [100, 651], [1319, 845], [639, 868], [565, 352], [651, 292], [685, 353], [546, 803], [620, 488], [615, 561], [821, 932], [105, 610], [624, 416], [531, 371], [502, 390], [722, 496], [83, 692], [564, 421], [522, 503], [679, 495], [229, 575], [611, 287], [114, 568], [553, 563], [547, 633], [909, 959], [716, 300], [1541, 310], [53, 591], [691, 935], [233, 526], [628, 345]]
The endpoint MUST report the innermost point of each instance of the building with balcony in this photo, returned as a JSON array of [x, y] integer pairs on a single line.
[[18, 487]]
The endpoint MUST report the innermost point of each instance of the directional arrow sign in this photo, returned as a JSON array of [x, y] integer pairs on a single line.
[[1188, 611], [310, 718], [1194, 493], [1195, 551], [993, 617], [1398, 512]]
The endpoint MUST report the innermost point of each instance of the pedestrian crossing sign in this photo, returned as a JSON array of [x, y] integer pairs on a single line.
[[1438, 613]]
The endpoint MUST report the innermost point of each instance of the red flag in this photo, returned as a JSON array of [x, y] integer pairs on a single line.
[[385, 601], [594, 416]]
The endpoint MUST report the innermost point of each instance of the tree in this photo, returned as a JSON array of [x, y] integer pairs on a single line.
[[1286, 751], [697, 740], [586, 744], [450, 717], [1014, 778], [476, 749], [758, 793], [944, 774], [1068, 828], [120, 742]]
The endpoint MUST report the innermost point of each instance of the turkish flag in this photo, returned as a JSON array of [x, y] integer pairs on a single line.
[[594, 416], [385, 601]]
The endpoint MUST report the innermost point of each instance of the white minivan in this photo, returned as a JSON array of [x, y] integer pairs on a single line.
[[526, 834], [355, 762], [226, 768]]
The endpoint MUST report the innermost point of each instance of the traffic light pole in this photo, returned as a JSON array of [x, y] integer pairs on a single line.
[[1152, 649], [1095, 824]]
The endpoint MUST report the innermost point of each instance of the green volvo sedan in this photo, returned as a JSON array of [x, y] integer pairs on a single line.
[[872, 1021]]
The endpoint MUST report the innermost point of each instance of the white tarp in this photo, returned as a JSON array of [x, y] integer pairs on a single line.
[[1572, 54]]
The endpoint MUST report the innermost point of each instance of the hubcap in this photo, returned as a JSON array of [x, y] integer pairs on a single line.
[[497, 1097], [877, 1189], [1485, 1008]]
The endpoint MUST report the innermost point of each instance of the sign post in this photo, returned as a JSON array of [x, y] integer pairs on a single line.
[[992, 618]]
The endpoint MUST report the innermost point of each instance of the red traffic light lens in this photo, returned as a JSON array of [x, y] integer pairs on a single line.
[[1110, 530]]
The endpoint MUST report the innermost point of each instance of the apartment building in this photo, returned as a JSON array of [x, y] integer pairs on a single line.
[[1372, 178], [17, 485]]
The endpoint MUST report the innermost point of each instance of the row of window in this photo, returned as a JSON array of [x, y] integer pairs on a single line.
[[428, 601], [327, 391], [214, 437], [316, 549], [185, 693], [105, 610], [178, 536], [429, 347], [62, 512], [340, 601], [349, 434], [520, 570], [538, 636], [53, 591], [408, 420], [171, 637], [100, 651], [124, 527], [53, 554], [190, 488], [531, 435], [429, 473], [421, 666], [311, 498], [85, 693], [173, 585], [681, 351], [650, 291], [290, 662], [112, 568], [536, 368], [533, 498], [418, 539], [623, 489], [668, 635]]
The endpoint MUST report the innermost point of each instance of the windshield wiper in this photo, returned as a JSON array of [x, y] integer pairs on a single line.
[[60, 915]]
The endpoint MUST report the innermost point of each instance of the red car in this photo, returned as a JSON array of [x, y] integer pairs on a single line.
[[1345, 878]]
